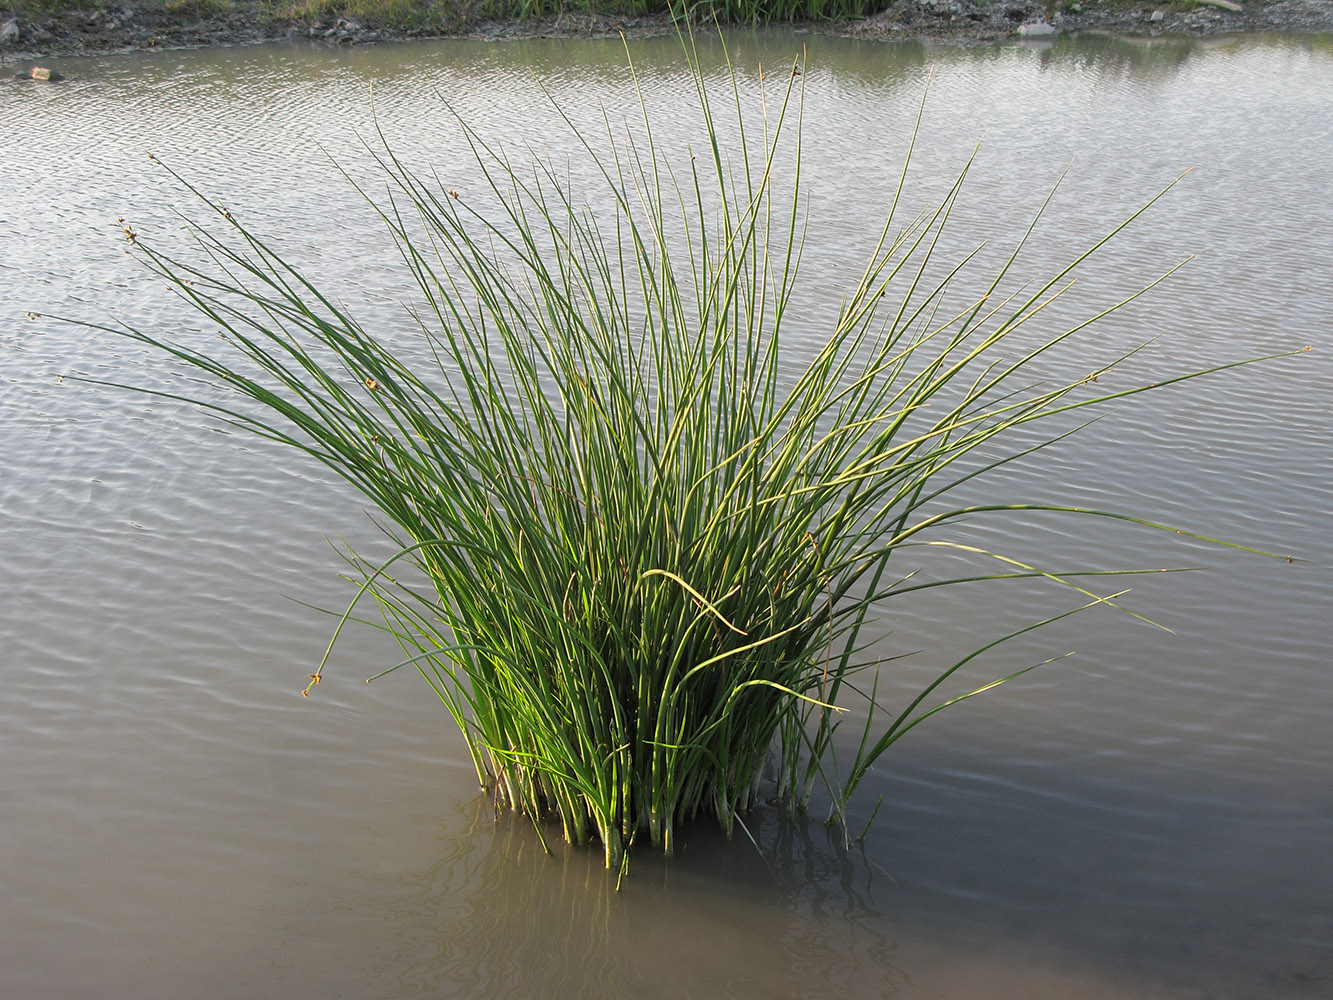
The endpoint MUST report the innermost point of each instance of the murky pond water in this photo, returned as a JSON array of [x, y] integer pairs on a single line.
[[1151, 818]]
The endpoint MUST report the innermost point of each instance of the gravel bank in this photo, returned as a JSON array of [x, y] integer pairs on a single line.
[[25, 39]]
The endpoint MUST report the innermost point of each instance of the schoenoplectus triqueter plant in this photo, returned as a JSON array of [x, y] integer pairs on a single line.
[[645, 530]]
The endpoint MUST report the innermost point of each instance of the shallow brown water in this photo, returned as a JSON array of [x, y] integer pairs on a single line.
[[1148, 819]]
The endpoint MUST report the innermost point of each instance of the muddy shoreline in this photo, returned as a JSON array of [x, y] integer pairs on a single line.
[[25, 39]]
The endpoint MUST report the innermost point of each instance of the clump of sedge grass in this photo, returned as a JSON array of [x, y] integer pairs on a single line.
[[650, 532]]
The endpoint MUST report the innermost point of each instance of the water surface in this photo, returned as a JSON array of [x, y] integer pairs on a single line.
[[1150, 818]]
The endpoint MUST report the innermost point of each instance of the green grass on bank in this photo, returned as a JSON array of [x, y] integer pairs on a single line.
[[424, 16], [409, 16]]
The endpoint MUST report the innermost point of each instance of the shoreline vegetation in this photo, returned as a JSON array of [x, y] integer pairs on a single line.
[[43, 29]]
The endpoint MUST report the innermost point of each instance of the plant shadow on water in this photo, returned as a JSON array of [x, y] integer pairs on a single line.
[[498, 916], [955, 894]]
